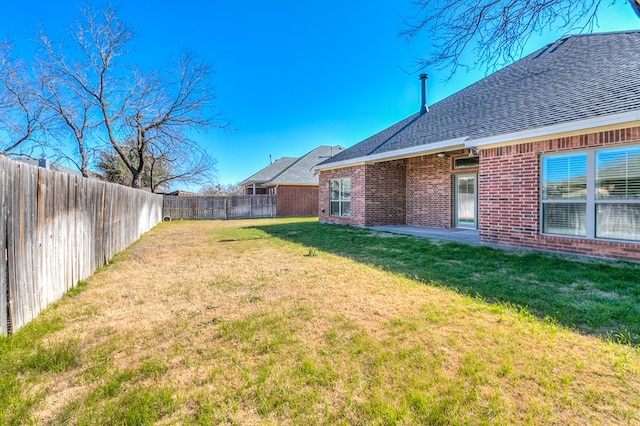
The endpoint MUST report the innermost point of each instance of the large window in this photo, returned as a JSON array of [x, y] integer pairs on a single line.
[[592, 194], [340, 197]]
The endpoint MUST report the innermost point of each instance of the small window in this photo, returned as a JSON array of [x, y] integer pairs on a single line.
[[340, 197], [466, 162]]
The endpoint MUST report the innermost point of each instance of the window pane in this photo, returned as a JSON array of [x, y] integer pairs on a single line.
[[618, 221], [564, 177], [335, 208], [346, 189], [346, 208], [466, 200], [618, 174], [335, 190], [564, 219]]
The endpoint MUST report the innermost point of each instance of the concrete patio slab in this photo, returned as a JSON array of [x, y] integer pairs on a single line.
[[461, 235]]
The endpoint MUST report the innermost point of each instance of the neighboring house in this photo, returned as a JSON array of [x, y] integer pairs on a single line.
[[293, 181], [46, 164], [544, 153], [181, 193]]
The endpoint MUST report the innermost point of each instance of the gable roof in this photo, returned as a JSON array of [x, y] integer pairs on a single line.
[[293, 171], [576, 82], [270, 172]]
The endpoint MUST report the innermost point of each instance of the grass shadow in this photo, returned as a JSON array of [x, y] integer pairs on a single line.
[[596, 297]]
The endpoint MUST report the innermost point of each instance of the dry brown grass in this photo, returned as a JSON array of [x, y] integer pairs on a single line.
[[242, 328]]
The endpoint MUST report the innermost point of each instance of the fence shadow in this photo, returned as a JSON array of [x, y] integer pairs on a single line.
[[595, 297]]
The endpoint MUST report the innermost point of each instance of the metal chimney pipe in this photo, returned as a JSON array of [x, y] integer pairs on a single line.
[[423, 93]]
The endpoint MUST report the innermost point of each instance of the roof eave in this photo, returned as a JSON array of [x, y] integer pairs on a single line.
[[557, 130], [272, 184], [553, 131], [397, 154], [252, 182]]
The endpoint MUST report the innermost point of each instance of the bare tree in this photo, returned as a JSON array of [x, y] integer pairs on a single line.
[[195, 167], [221, 189], [72, 110], [153, 114], [161, 122], [160, 169], [21, 113], [495, 32]]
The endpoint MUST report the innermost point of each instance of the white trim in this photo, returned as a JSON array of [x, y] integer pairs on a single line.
[[571, 126], [271, 184], [503, 139]]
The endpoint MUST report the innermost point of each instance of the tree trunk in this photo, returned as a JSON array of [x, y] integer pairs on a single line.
[[84, 161], [136, 181]]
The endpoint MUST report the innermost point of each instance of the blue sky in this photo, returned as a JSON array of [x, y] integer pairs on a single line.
[[290, 75]]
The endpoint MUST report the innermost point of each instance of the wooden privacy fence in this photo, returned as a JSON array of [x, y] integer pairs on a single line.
[[219, 207], [57, 229]]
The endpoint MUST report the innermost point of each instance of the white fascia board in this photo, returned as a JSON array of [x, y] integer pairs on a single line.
[[397, 154], [272, 184], [251, 182], [556, 129]]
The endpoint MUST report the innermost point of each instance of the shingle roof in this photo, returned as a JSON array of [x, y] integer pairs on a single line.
[[294, 171], [271, 171], [575, 78]]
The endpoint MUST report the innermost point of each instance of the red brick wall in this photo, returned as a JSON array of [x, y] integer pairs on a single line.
[[386, 203], [429, 191], [509, 203], [296, 201], [357, 175], [384, 185]]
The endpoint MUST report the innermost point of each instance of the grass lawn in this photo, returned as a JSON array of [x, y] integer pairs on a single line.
[[293, 322]]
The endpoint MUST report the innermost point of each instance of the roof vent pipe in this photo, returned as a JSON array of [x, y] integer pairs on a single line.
[[423, 94]]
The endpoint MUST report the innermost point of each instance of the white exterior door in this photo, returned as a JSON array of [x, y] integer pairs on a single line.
[[466, 201]]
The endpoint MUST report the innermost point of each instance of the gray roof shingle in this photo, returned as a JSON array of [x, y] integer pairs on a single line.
[[577, 77], [270, 172], [293, 171]]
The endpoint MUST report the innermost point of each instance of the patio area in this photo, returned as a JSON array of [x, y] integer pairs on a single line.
[[461, 235]]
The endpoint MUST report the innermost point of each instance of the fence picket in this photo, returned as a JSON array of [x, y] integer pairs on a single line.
[[218, 207], [57, 229], [4, 285]]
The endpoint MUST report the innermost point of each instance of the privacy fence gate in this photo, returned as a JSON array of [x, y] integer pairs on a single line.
[[218, 207]]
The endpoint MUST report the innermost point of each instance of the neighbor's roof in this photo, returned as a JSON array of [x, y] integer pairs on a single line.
[[582, 79], [293, 171], [50, 165], [269, 172]]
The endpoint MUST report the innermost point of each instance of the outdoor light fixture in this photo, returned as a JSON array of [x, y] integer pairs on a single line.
[[442, 155], [474, 151]]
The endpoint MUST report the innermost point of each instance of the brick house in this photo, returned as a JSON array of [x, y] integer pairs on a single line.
[[544, 154], [293, 181]]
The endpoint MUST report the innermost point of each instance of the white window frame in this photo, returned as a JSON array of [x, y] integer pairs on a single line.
[[590, 200], [342, 198]]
